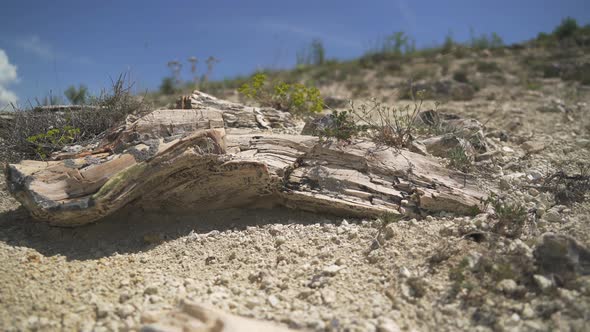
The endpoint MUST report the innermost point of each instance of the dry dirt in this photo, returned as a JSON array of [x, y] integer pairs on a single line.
[[319, 272]]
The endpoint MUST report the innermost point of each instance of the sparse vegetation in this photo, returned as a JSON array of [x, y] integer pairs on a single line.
[[390, 126], [50, 100], [77, 96], [569, 188], [511, 216], [487, 66], [37, 133], [568, 33], [296, 98], [485, 41], [568, 27], [168, 87], [314, 54], [343, 127], [53, 140], [459, 160]]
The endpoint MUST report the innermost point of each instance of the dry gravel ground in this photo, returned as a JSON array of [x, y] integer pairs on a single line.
[[314, 272]]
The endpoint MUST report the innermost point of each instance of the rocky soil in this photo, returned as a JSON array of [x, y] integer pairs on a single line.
[[321, 273]]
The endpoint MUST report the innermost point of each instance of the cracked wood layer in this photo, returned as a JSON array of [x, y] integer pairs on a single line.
[[187, 160]]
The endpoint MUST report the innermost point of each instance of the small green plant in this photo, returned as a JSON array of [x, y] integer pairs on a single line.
[[398, 43], [568, 27], [343, 127], [34, 131], [53, 140], [395, 45], [314, 54], [383, 221], [448, 44], [459, 160], [389, 218], [533, 85], [485, 42], [457, 276], [512, 216], [50, 100], [168, 87], [295, 98], [487, 67], [77, 96], [390, 126]]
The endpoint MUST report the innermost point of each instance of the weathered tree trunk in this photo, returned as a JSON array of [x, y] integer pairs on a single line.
[[220, 155], [194, 317]]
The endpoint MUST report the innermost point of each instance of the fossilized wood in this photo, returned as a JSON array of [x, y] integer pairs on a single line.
[[65, 108], [240, 116], [193, 317], [186, 160]]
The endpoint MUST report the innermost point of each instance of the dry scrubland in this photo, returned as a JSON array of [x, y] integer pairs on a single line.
[[523, 265]]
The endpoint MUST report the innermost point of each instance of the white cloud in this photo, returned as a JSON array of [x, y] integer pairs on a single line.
[[7, 76], [7, 70], [33, 44]]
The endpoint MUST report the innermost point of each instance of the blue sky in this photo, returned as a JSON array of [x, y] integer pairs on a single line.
[[49, 45]]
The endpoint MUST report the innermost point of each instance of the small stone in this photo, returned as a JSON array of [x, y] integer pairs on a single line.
[[504, 184], [275, 230], [252, 303], [273, 301], [125, 310], [527, 311], [404, 272], [543, 282], [532, 146], [507, 286], [405, 291], [472, 259], [568, 295], [331, 269], [533, 325], [151, 290], [124, 296], [387, 325], [280, 240], [389, 232], [149, 317], [328, 296], [520, 248], [103, 309], [507, 149], [155, 299], [552, 215], [373, 257], [534, 175]]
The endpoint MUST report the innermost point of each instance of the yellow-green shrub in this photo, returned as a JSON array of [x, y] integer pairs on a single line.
[[295, 98], [53, 140]]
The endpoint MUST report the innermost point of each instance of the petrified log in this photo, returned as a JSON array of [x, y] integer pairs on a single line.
[[194, 317], [222, 155]]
